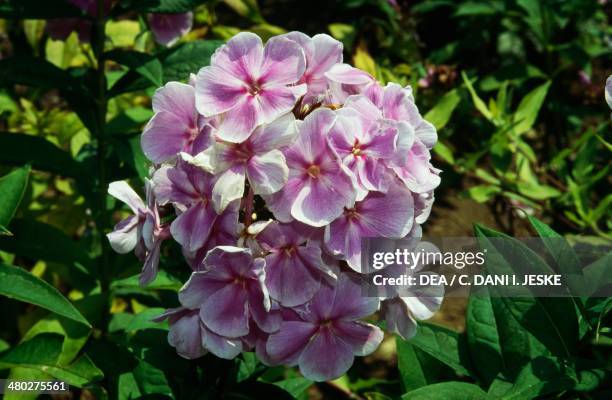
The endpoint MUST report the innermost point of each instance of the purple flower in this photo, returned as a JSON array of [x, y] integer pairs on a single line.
[[169, 28], [257, 158], [192, 339], [231, 293], [319, 186], [364, 145], [388, 215], [190, 190], [142, 231], [345, 81], [176, 126], [325, 335], [396, 103], [294, 267], [322, 53], [403, 307], [250, 84]]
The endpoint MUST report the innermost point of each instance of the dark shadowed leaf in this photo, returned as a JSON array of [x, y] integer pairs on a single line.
[[37, 9], [418, 368], [483, 339], [12, 188], [444, 345], [144, 64], [41, 154], [446, 391]]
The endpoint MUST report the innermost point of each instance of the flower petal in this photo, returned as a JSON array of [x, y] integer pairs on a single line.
[[217, 91], [275, 135], [169, 28], [286, 345], [363, 338], [268, 172], [192, 227], [220, 346], [284, 62], [326, 357], [185, 336], [124, 237], [229, 187], [226, 311], [164, 136], [121, 190]]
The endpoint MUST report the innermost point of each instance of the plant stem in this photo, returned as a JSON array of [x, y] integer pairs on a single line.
[[98, 38]]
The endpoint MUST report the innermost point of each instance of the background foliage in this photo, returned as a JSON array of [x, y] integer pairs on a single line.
[[515, 89]]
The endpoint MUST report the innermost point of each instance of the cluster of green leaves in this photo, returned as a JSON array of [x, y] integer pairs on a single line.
[[516, 348]]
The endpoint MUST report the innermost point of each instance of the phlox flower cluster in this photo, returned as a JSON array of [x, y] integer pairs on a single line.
[[269, 166]]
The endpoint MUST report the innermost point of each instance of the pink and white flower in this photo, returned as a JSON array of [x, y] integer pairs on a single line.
[[249, 84], [169, 28]]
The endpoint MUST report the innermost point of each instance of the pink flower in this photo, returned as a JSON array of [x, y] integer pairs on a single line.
[[258, 158], [250, 84], [189, 189], [294, 267], [324, 336], [142, 231], [169, 28], [366, 147], [388, 215], [322, 53], [230, 293], [345, 81], [176, 125], [319, 186]]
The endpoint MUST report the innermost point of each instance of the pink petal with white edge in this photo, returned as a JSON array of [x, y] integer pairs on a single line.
[[192, 227], [217, 91], [287, 344], [242, 56], [275, 135], [176, 98], [185, 336], [164, 136], [363, 338], [275, 101], [284, 62], [238, 123]]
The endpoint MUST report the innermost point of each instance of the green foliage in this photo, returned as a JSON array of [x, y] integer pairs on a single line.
[[519, 127], [514, 347], [21, 285]]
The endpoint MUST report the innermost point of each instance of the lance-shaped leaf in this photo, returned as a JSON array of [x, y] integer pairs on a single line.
[[12, 188], [21, 285]]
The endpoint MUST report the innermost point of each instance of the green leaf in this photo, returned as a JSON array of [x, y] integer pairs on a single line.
[[75, 335], [19, 284], [527, 326], [246, 8], [444, 152], [482, 338], [447, 391], [482, 194], [418, 368], [4, 231], [145, 64], [151, 380], [12, 188], [177, 64], [599, 274], [442, 111], [42, 353], [529, 108], [557, 247], [39, 241], [41, 154], [542, 376], [537, 191], [480, 105], [36, 9], [294, 386], [444, 345]]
